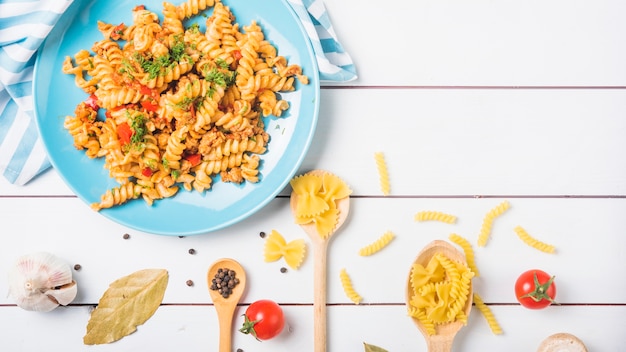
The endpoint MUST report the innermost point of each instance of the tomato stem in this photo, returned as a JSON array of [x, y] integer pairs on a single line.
[[540, 291], [248, 327]]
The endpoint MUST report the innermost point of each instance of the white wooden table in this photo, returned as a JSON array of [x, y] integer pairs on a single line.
[[472, 103]]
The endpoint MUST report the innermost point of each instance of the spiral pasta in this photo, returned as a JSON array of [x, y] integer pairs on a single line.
[[439, 292], [377, 245], [383, 172], [427, 215], [487, 314], [183, 106], [533, 242], [485, 229], [348, 289], [467, 250]]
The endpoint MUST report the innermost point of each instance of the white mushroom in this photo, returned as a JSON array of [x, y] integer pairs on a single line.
[[41, 282]]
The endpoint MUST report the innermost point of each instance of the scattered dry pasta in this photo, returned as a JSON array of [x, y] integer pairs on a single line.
[[377, 245], [533, 242], [467, 250], [383, 172], [346, 283], [486, 312], [276, 247], [485, 230], [439, 292], [435, 216], [316, 200], [182, 105]]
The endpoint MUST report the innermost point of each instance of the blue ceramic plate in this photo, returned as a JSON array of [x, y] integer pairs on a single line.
[[187, 213]]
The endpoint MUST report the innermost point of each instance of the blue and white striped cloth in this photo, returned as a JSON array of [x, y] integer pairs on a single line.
[[24, 25]]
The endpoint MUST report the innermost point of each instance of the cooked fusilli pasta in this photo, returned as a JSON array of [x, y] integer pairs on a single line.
[[533, 242], [183, 105], [377, 245], [349, 290], [488, 314], [383, 172], [485, 230], [435, 216]]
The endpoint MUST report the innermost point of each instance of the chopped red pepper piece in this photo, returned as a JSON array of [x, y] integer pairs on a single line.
[[194, 159], [149, 105], [92, 102], [124, 133], [146, 172], [117, 31], [139, 7]]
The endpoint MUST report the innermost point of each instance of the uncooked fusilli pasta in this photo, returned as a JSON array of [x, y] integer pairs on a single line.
[[488, 314], [468, 250], [485, 230], [349, 290], [533, 242], [439, 292], [435, 216], [383, 172], [377, 245]]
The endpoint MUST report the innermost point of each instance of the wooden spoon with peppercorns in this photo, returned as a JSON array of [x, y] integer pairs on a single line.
[[226, 290], [320, 249]]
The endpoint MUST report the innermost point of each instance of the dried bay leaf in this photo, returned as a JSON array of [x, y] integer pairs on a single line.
[[372, 348], [128, 302]]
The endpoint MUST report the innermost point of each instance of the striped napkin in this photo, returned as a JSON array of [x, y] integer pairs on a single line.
[[24, 26]]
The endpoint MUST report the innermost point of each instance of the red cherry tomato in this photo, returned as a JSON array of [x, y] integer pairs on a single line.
[[264, 319], [535, 289]]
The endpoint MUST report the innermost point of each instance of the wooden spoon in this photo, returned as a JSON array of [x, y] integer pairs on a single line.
[[225, 307], [320, 249], [442, 340]]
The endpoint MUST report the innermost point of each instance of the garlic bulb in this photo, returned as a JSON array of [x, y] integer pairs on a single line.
[[41, 282]]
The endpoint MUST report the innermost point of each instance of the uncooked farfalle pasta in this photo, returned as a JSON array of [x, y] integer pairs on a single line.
[[183, 105], [487, 314], [533, 242], [383, 172], [430, 215], [467, 250], [277, 247], [348, 289], [439, 291], [377, 245], [317, 197], [485, 230]]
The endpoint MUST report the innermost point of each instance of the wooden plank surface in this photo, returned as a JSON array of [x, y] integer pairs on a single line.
[[472, 104]]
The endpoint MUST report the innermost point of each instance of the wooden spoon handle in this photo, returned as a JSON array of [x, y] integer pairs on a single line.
[[319, 297], [225, 318], [440, 343]]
